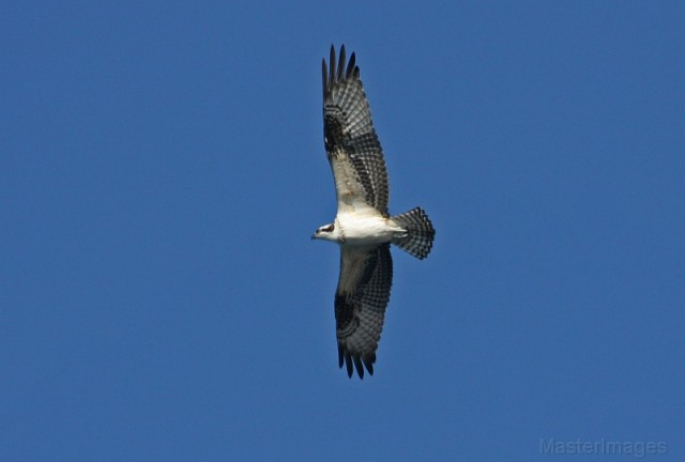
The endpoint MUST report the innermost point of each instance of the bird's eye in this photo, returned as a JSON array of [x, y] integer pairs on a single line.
[[329, 228]]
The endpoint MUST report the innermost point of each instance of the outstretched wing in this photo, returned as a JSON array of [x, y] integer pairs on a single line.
[[354, 151], [360, 301]]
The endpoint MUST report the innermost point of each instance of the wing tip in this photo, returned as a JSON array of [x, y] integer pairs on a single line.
[[355, 362], [338, 68]]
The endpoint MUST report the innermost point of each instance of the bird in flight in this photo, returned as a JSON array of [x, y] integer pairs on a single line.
[[363, 228]]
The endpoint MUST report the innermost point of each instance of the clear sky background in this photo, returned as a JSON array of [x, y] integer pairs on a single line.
[[162, 170]]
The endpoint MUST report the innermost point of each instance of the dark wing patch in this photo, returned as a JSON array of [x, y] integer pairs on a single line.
[[360, 301], [348, 130]]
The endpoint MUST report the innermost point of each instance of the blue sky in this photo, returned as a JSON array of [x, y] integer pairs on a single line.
[[161, 172]]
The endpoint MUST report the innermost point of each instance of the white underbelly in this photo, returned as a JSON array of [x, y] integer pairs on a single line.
[[369, 230]]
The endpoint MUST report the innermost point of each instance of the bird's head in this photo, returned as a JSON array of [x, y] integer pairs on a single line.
[[326, 232]]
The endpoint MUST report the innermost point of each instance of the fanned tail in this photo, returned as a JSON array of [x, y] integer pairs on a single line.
[[419, 236]]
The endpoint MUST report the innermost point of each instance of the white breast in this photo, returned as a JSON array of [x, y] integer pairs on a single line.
[[365, 228]]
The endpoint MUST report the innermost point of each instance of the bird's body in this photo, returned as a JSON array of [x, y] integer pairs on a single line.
[[362, 227]]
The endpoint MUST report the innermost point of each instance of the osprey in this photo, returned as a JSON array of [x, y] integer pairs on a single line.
[[362, 227]]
